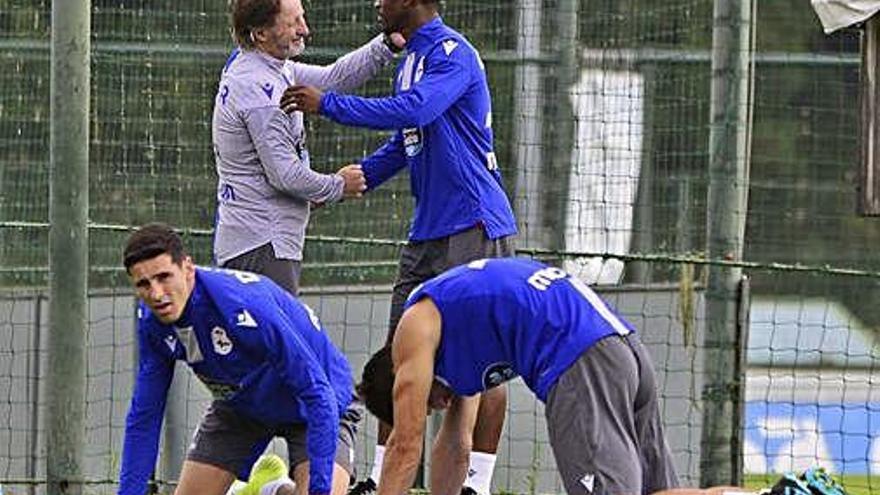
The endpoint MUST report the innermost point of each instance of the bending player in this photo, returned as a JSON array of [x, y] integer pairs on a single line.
[[261, 353], [479, 325]]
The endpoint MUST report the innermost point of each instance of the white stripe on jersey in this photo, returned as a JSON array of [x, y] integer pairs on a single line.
[[599, 305]]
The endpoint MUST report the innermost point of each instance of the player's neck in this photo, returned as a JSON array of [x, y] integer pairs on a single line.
[[419, 18]]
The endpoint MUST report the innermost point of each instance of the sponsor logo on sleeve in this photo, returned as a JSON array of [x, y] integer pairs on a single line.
[[412, 141]]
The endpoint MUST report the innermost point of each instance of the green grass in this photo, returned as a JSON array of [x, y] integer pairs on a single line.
[[853, 484]]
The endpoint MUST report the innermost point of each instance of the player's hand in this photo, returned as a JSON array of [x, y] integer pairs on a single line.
[[354, 181], [306, 99], [394, 41]]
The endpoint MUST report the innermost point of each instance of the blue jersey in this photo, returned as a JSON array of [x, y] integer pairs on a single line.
[[442, 115], [257, 349], [509, 317]]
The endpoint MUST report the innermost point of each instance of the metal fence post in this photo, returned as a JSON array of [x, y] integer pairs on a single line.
[[721, 455], [68, 246]]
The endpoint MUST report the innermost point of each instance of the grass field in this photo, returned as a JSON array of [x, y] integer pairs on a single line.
[[853, 484]]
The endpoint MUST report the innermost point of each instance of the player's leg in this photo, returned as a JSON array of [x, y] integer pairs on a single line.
[[464, 247], [590, 421], [301, 479], [201, 478], [413, 269], [343, 467], [657, 466], [450, 455], [487, 436], [224, 446]]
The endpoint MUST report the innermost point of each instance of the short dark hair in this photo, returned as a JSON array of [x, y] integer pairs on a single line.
[[248, 15], [151, 240], [377, 386]]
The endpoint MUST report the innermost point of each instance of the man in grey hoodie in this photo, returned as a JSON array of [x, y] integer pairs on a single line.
[[265, 183]]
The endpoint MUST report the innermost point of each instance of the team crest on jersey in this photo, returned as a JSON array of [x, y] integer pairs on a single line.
[[412, 141], [496, 374], [221, 341]]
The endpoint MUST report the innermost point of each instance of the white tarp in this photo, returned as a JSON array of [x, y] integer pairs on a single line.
[[605, 177], [837, 14]]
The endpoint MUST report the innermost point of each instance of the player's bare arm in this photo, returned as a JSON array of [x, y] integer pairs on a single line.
[[415, 343]]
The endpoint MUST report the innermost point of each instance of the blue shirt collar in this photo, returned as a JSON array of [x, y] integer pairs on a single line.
[[426, 33]]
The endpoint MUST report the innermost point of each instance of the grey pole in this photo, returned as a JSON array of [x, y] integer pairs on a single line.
[[721, 452], [68, 245], [566, 72], [528, 127]]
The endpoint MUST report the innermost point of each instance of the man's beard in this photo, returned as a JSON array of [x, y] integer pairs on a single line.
[[296, 49]]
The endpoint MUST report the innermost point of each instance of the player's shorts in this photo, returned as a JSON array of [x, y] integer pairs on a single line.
[[262, 260], [604, 422], [420, 261], [233, 442]]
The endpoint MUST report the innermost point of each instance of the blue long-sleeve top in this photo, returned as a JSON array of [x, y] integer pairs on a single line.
[[257, 349], [442, 114]]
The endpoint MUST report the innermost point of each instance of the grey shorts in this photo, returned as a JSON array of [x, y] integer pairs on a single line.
[[262, 260], [233, 442], [420, 261], [604, 423]]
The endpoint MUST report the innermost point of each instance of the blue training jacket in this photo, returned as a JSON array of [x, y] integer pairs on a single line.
[[509, 317], [257, 349], [442, 114]]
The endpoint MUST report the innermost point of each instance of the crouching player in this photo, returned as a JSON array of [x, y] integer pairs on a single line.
[[479, 325], [263, 355]]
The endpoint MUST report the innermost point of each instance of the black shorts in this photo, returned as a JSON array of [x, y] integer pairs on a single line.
[[420, 261], [262, 260], [233, 442]]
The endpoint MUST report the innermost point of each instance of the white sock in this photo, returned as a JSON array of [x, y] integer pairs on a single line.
[[378, 457], [271, 487], [480, 470]]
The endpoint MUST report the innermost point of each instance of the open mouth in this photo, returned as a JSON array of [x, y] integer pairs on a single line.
[[162, 308]]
